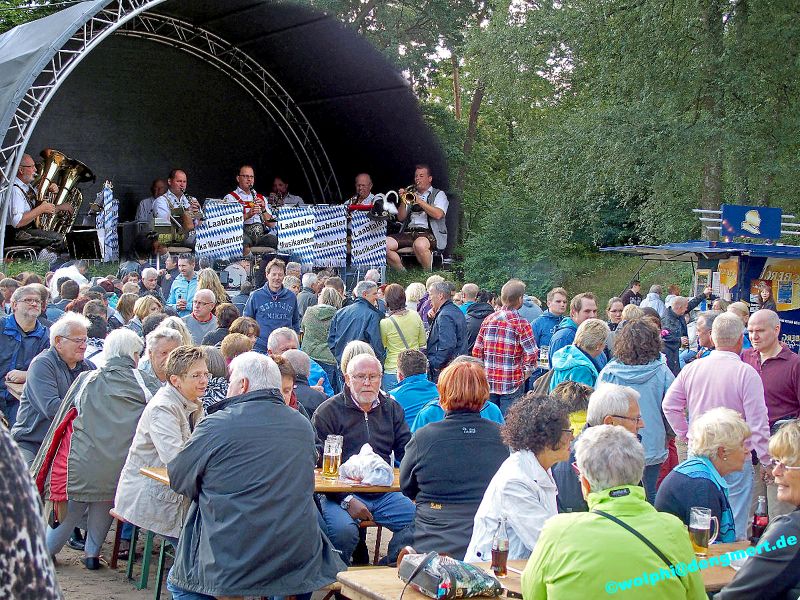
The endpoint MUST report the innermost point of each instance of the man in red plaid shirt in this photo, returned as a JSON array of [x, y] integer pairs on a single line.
[[507, 347]]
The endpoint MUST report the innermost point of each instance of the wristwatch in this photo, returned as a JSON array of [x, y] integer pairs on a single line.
[[346, 502]]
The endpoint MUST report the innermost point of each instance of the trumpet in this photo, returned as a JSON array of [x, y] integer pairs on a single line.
[[409, 196]]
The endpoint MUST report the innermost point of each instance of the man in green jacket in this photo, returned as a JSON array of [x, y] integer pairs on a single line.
[[588, 555]]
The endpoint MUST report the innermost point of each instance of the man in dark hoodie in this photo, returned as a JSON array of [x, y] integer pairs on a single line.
[[633, 294], [476, 313], [272, 306]]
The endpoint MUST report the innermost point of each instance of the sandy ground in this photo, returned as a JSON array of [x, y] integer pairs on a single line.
[[78, 583]]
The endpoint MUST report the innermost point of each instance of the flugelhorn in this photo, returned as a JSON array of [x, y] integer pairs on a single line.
[[409, 196]]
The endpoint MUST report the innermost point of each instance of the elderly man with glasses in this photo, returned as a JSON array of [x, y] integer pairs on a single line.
[[50, 376], [22, 337], [363, 414]]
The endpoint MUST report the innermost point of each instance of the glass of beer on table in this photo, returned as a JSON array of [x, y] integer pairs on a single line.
[[332, 456], [700, 519]]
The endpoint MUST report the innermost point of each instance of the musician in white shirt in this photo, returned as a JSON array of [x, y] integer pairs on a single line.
[[144, 212], [426, 229], [175, 197], [258, 220]]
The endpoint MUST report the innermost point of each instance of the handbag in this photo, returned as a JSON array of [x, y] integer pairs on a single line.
[[650, 544]]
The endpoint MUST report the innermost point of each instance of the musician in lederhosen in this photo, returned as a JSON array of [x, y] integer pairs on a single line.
[[258, 221], [176, 206], [425, 227], [23, 211]]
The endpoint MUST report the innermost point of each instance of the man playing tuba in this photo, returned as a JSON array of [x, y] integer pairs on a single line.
[[23, 211]]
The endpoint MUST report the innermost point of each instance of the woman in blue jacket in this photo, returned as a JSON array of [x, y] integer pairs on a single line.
[[578, 361], [638, 364]]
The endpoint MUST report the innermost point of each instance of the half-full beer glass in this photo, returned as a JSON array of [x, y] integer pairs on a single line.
[[700, 519]]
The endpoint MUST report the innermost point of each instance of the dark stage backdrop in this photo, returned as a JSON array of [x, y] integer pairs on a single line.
[[133, 109]]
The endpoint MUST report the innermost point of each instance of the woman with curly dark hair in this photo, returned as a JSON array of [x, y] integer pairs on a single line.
[[638, 364], [523, 490]]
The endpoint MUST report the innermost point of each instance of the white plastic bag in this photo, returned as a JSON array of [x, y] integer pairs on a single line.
[[368, 468]]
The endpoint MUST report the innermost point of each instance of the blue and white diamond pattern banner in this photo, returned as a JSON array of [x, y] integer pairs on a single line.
[[330, 236], [296, 233], [368, 243], [221, 234]]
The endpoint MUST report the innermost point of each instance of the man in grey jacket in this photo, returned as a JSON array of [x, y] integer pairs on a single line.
[[252, 529], [49, 377]]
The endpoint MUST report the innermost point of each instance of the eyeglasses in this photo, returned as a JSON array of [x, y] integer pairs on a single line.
[[201, 303], [198, 376], [569, 431], [779, 464], [637, 419], [370, 377], [78, 341], [31, 301]]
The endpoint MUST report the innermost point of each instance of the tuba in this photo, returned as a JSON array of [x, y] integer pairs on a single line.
[[66, 173]]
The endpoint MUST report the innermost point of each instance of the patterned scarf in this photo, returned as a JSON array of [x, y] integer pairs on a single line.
[[699, 467]]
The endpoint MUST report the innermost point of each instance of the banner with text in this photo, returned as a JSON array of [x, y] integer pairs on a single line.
[[296, 233], [368, 242], [221, 234], [330, 236]]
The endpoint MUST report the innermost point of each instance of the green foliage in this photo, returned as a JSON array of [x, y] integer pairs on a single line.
[[16, 12]]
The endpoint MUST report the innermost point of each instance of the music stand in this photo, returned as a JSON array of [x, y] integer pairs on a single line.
[[83, 244]]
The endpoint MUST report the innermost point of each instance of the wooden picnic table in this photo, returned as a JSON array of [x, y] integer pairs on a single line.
[[382, 583], [321, 485]]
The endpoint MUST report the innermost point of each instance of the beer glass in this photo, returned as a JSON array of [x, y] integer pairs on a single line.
[[332, 456], [700, 519]]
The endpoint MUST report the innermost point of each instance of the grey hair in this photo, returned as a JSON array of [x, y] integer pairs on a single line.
[[353, 349], [360, 358], [260, 371], [373, 275], [709, 316], [445, 288], [122, 342], [309, 279], [609, 456], [149, 272], [717, 428], [161, 334], [609, 399], [655, 289], [300, 362], [362, 287], [25, 290], [65, 323], [215, 361], [281, 333], [178, 325], [726, 330], [293, 266]]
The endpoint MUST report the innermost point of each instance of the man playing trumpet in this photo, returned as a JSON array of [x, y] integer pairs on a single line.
[[23, 211], [425, 230]]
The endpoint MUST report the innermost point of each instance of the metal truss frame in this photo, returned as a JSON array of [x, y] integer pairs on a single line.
[[257, 82], [129, 17]]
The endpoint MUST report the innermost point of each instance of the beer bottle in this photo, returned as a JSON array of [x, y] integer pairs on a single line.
[[760, 520], [500, 549]]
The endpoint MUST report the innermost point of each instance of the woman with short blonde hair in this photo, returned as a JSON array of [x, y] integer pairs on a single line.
[[717, 447], [632, 312], [142, 308], [576, 362]]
